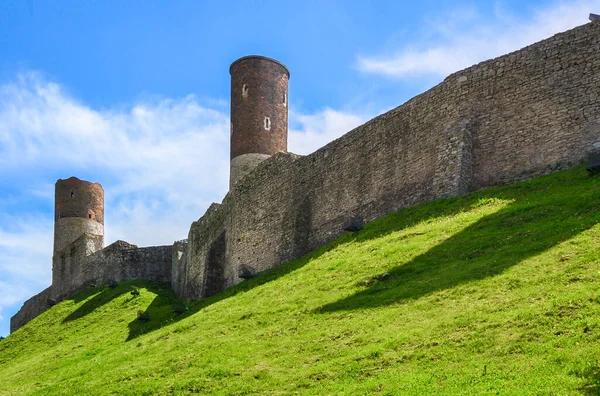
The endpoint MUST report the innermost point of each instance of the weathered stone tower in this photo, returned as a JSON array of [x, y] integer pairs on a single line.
[[259, 112], [78, 210]]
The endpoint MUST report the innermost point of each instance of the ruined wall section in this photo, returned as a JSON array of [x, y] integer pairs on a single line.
[[69, 270], [291, 205], [178, 265], [454, 162], [190, 280], [31, 308], [122, 261], [82, 265], [517, 116]]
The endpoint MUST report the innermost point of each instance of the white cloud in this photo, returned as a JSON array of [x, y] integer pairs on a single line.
[[25, 263], [316, 130], [466, 37], [161, 163], [172, 152]]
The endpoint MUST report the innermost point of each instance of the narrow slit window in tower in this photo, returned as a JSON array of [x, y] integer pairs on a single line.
[[89, 215], [267, 123], [285, 100], [72, 194], [244, 91]]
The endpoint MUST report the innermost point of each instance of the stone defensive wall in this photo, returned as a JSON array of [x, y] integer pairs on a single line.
[[514, 117], [81, 265], [85, 264], [31, 308], [518, 116]]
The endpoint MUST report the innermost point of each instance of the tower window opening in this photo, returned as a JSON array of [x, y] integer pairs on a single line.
[[244, 91], [267, 123], [89, 215], [285, 99], [72, 194]]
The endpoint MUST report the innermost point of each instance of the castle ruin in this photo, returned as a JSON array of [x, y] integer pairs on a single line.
[[514, 117]]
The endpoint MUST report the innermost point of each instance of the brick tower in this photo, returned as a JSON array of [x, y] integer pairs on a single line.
[[78, 209], [259, 112]]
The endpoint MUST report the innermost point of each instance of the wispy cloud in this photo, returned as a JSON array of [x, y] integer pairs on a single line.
[[466, 37]]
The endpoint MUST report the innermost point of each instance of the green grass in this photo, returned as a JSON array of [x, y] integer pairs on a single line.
[[496, 292]]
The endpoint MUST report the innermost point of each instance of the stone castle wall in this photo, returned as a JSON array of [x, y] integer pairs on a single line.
[[85, 264], [506, 119], [521, 115], [31, 308]]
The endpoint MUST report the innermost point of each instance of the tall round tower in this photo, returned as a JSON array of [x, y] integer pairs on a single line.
[[259, 112], [78, 209]]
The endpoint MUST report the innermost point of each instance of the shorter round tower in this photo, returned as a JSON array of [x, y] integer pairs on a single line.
[[78, 209], [259, 112]]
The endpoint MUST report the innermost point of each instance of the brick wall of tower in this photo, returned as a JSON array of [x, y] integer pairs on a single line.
[[79, 198], [259, 112], [78, 209]]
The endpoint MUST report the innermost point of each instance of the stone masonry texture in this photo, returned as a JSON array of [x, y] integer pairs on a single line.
[[242, 165], [81, 265], [31, 308], [514, 117]]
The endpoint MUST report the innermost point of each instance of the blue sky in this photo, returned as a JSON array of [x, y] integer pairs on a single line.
[[135, 95]]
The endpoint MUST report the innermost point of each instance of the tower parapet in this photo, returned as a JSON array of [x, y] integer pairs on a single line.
[[259, 112], [78, 210]]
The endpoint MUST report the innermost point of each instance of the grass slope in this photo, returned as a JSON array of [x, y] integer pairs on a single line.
[[496, 292]]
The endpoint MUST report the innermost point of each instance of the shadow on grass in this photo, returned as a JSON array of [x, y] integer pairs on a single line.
[[543, 213], [163, 309], [159, 313], [591, 375], [102, 296]]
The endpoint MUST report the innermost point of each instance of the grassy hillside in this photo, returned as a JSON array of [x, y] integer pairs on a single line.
[[497, 292]]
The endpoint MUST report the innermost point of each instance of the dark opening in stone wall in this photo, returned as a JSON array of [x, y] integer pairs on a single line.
[[215, 267]]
